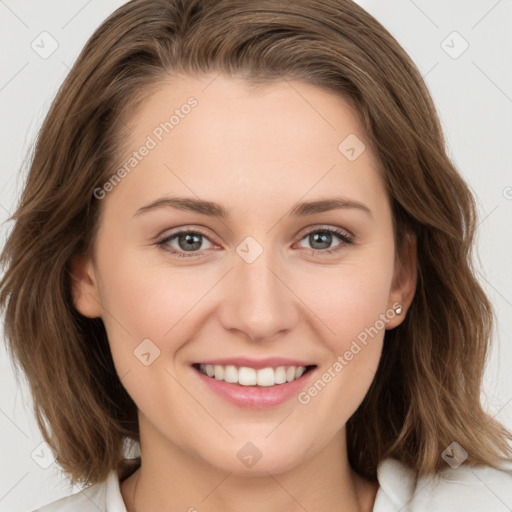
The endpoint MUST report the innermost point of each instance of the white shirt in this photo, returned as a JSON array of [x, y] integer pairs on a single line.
[[465, 489]]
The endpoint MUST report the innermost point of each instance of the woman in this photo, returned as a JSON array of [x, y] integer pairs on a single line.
[[318, 345]]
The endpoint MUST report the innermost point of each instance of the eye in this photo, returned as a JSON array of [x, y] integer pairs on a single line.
[[322, 238], [187, 241], [191, 241]]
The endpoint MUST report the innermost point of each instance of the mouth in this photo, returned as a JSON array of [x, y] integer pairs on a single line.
[[267, 376], [252, 384]]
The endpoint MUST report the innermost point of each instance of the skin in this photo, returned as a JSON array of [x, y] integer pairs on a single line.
[[257, 152]]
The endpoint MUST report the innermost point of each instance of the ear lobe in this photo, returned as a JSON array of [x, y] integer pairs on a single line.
[[404, 280], [84, 288]]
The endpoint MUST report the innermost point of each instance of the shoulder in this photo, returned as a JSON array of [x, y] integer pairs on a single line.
[[467, 488], [104, 496]]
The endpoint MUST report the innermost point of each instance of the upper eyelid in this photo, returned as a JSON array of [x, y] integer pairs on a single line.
[[301, 235], [325, 227], [179, 231]]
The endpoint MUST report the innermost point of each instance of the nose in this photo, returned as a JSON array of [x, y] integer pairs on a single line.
[[257, 301]]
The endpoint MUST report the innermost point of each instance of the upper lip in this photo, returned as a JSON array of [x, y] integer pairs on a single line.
[[256, 363]]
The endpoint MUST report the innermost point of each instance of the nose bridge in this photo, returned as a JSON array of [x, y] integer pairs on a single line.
[[257, 301]]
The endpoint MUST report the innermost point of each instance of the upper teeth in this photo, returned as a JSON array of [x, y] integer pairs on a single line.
[[250, 377]]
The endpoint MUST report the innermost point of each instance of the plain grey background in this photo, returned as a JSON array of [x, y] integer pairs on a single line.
[[461, 48]]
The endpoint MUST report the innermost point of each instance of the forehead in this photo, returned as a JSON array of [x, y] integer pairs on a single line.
[[221, 136], [234, 106]]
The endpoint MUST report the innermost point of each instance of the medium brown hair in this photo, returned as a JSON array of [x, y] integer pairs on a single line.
[[426, 392]]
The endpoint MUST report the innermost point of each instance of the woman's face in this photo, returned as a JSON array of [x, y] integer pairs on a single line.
[[270, 284]]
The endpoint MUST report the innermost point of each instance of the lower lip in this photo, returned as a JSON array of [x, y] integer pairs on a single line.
[[256, 397]]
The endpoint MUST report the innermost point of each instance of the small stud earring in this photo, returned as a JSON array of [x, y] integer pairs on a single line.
[[398, 310]]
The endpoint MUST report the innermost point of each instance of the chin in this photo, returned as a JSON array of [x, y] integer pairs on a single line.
[[256, 459]]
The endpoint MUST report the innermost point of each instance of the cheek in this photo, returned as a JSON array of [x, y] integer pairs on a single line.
[[144, 300], [150, 316], [350, 299]]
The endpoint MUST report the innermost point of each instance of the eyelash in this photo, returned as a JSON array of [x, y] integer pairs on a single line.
[[344, 237]]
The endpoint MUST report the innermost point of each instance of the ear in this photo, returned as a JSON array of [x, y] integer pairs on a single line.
[[84, 287], [404, 281]]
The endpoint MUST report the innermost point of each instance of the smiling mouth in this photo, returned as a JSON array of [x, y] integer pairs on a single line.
[[247, 376]]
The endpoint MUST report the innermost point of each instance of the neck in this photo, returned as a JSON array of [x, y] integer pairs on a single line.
[[171, 478]]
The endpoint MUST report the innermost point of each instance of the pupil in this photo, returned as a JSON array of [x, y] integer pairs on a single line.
[[322, 238], [189, 244]]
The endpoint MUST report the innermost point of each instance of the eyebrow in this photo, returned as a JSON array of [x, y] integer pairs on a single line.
[[212, 209]]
